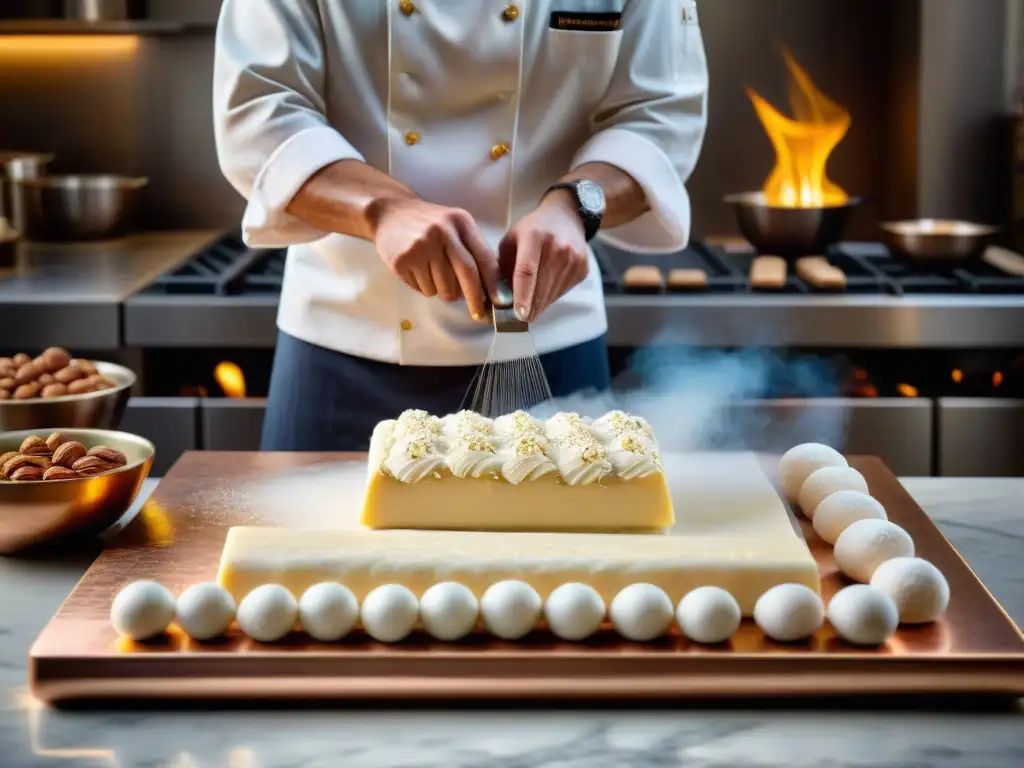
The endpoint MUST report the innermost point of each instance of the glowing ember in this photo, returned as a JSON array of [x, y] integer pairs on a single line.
[[230, 378], [997, 379], [802, 145], [906, 390], [957, 375]]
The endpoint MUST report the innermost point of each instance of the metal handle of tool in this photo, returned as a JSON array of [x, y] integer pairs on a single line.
[[505, 319]]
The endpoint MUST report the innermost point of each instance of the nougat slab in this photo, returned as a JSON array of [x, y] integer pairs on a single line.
[[516, 473], [746, 566]]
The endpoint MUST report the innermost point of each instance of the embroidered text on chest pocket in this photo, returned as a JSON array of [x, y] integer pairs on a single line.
[[586, 60]]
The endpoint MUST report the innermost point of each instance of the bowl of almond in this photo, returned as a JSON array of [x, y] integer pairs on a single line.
[[69, 484], [56, 389]]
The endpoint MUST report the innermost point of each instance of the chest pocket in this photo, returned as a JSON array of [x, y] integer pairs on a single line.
[[584, 59]]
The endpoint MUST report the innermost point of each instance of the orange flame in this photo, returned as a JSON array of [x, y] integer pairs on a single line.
[[802, 145], [906, 390], [230, 378], [958, 375], [997, 379]]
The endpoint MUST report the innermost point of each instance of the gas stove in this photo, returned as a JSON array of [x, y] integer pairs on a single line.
[[231, 291]]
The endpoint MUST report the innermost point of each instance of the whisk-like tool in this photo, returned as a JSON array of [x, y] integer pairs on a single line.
[[512, 378]]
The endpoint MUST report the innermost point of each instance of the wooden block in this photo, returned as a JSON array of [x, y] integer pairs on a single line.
[[687, 280], [641, 278], [768, 273], [817, 272]]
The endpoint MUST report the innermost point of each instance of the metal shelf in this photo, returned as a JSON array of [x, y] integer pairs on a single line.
[[72, 27]]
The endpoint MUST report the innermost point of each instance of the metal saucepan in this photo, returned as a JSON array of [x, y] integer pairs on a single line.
[[8, 245], [76, 208], [789, 232], [16, 167], [937, 241]]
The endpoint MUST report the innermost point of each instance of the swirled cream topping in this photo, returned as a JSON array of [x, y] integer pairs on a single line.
[[615, 423], [632, 456], [517, 447], [472, 449], [576, 451], [525, 448]]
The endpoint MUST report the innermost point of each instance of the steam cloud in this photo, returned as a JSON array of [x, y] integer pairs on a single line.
[[701, 400]]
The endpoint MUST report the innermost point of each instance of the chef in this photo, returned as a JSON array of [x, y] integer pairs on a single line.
[[407, 152]]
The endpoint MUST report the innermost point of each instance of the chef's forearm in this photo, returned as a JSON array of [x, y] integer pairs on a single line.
[[347, 198], [624, 198]]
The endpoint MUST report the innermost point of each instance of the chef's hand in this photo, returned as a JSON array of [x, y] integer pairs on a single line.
[[437, 251], [546, 253]]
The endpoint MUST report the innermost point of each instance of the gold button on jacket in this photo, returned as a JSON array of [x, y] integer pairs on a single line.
[[498, 151], [406, 325], [511, 12], [412, 138], [406, 7]]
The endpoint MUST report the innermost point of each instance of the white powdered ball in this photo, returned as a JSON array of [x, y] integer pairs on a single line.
[[510, 609], [328, 611], [826, 481], [918, 588], [709, 615], [641, 612], [574, 611], [142, 610], [799, 463], [205, 611], [863, 615], [449, 611], [268, 613], [843, 508], [866, 544], [389, 613], [789, 612]]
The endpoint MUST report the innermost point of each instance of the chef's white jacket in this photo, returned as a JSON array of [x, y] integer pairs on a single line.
[[478, 104]]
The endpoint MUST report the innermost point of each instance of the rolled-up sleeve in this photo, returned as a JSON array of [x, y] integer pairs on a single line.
[[652, 120], [269, 122]]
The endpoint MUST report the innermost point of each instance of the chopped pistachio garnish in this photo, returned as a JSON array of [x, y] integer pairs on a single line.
[[418, 449], [527, 446], [630, 443], [477, 445]]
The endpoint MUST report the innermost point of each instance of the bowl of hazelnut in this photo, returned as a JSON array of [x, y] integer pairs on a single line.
[[56, 390], [67, 485]]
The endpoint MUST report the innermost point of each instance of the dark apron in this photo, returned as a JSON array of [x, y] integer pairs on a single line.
[[322, 400]]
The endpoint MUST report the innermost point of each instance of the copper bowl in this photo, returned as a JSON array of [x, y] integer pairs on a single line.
[[789, 232], [48, 511], [937, 241], [100, 410]]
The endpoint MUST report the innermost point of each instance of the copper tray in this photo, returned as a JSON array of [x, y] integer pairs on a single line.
[[177, 538]]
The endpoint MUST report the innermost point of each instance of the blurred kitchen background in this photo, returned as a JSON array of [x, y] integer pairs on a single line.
[[924, 361]]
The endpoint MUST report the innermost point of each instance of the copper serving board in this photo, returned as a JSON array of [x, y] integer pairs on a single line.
[[177, 538]]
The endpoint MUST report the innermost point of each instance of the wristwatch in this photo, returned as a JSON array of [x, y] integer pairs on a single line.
[[589, 200]]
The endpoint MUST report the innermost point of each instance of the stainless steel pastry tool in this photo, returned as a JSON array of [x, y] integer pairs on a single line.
[[513, 377]]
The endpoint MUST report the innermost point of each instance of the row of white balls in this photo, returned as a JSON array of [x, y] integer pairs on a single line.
[[447, 611], [509, 610], [868, 547]]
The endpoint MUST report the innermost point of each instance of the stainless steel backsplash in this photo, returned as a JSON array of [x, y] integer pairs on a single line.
[[921, 86]]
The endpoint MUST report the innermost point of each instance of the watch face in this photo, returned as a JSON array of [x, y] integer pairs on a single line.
[[591, 196]]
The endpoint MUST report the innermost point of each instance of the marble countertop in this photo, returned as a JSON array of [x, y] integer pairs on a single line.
[[983, 518]]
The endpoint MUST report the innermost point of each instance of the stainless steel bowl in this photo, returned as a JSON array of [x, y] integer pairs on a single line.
[[16, 167], [789, 232], [48, 511], [93, 410], [937, 241], [8, 245], [79, 208]]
